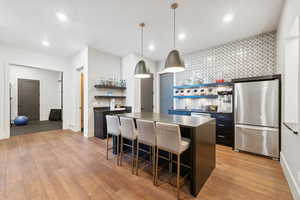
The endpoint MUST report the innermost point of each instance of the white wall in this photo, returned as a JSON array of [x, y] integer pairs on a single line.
[[133, 91], [20, 56], [79, 64], [290, 142], [291, 80], [100, 64], [50, 87]]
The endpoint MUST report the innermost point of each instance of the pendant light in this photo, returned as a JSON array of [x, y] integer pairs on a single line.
[[174, 63], [140, 68]]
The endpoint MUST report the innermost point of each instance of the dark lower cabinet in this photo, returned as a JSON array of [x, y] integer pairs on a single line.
[[224, 125], [224, 128], [100, 130]]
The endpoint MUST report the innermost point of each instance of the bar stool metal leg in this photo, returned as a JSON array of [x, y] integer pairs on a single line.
[[156, 166], [121, 153], [137, 158], [178, 176], [153, 163], [118, 151], [132, 153], [170, 163], [107, 143]]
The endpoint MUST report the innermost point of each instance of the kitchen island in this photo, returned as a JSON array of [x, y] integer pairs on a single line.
[[202, 154]]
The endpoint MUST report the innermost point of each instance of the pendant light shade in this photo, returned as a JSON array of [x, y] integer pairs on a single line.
[[174, 63], [140, 70]]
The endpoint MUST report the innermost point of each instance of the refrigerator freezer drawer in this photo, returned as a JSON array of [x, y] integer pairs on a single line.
[[259, 140]]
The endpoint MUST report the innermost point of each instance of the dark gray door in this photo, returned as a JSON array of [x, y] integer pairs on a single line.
[[29, 98], [166, 92], [147, 94]]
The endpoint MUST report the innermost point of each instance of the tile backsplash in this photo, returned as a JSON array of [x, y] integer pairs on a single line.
[[254, 56]]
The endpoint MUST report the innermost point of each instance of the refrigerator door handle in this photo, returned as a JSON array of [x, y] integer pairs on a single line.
[[235, 104], [256, 128]]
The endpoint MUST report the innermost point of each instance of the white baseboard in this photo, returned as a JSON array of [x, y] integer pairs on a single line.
[[292, 181]]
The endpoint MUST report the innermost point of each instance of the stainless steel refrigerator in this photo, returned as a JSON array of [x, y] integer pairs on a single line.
[[257, 117]]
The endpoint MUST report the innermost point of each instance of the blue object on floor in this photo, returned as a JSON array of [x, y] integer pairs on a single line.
[[21, 120]]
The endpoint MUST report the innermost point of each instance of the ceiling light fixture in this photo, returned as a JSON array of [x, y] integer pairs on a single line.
[[46, 43], [228, 18], [181, 36], [140, 70], [61, 17], [174, 63]]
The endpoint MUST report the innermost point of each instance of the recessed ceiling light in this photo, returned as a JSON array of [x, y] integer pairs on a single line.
[[228, 18], [61, 17], [46, 43], [151, 47], [181, 36]]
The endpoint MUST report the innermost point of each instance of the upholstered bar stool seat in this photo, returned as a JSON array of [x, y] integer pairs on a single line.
[[185, 144], [168, 138], [129, 132], [113, 128], [146, 136]]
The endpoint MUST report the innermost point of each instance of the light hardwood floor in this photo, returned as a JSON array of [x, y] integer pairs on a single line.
[[64, 165]]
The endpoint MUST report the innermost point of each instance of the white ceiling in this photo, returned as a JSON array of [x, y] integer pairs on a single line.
[[112, 25]]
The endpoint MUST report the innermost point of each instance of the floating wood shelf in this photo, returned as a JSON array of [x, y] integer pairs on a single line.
[[110, 87], [110, 97]]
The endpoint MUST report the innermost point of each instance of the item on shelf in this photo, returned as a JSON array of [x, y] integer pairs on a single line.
[[188, 82], [109, 93], [176, 93], [202, 91], [112, 104], [111, 82], [220, 81], [195, 91], [187, 92], [197, 81], [181, 93], [180, 83], [211, 91], [213, 108]]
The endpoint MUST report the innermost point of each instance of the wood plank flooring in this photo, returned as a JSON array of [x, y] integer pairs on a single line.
[[64, 165]]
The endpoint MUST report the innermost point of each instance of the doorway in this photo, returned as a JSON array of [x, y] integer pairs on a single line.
[[29, 99], [147, 94], [36, 94], [166, 92]]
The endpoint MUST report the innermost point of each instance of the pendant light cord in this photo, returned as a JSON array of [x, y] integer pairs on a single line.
[[142, 39], [174, 28]]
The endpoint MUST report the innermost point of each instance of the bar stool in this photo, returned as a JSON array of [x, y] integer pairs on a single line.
[[168, 138], [113, 129], [146, 136], [129, 132]]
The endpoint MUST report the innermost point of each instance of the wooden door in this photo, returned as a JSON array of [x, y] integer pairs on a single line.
[[29, 98], [81, 99]]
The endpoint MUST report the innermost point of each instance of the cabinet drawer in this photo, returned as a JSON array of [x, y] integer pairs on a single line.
[[225, 140], [222, 125]]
